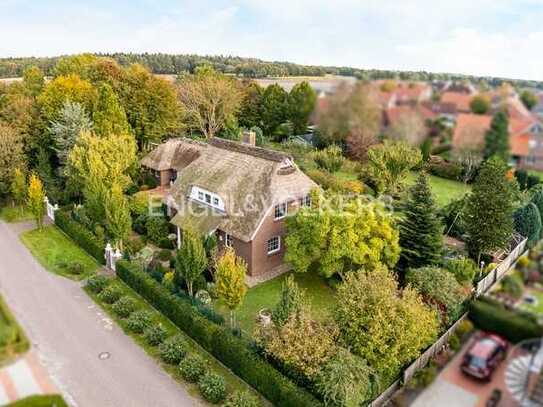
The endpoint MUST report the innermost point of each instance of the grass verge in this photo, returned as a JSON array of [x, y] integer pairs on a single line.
[[13, 341], [444, 190], [40, 401], [12, 214], [58, 253]]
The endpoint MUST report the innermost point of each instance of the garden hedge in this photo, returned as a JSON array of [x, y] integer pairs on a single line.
[[492, 316], [217, 340], [80, 235]]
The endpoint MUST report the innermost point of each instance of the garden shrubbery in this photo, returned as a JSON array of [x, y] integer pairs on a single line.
[[192, 368], [110, 294], [173, 350], [241, 399], [212, 387], [124, 306], [81, 235], [139, 321], [97, 283], [330, 159], [444, 169], [155, 334]]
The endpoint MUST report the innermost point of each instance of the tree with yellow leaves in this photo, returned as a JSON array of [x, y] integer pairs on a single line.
[[118, 221], [230, 273], [35, 198]]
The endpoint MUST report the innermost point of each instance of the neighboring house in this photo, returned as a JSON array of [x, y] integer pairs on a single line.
[[454, 103], [239, 192], [405, 93], [525, 137]]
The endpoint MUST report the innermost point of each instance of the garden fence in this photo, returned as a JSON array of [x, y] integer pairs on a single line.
[[499, 271], [50, 209]]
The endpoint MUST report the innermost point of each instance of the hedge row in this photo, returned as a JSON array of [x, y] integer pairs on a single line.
[[217, 340], [80, 235], [492, 316]]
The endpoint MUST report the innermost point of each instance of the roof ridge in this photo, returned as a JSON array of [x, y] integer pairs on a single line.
[[258, 152]]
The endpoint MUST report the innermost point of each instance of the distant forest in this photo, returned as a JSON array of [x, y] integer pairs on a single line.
[[248, 67]]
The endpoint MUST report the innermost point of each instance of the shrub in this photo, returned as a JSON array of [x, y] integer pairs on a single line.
[[97, 283], [464, 328], [155, 335], [532, 181], [124, 307], [491, 316], [192, 368], [513, 285], [241, 399], [164, 255], [330, 159], [110, 294], [81, 235], [212, 387], [173, 349], [454, 342], [134, 244], [463, 269], [522, 178], [230, 350], [445, 169], [139, 321], [424, 377], [139, 224], [157, 229], [324, 179]]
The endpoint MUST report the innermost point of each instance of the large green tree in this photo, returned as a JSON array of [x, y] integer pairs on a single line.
[[338, 237], [250, 113], [291, 302], [421, 231], [108, 115], [190, 260], [529, 99], [33, 80], [274, 108], [11, 156], [118, 220], [488, 214], [301, 103], [497, 137], [527, 222]]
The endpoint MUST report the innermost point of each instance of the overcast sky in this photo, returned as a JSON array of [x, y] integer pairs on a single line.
[[482, 37]]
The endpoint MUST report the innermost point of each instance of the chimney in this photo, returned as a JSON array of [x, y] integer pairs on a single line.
[[248, 137]]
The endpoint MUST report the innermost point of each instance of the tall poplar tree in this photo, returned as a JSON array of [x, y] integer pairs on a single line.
[[190, 260], [109, 116], [421, 231]]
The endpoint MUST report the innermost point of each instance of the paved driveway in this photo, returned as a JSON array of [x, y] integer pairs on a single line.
[[68, 332]]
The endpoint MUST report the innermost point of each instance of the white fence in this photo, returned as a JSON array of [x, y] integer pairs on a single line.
[[50, 209], [112, 256]]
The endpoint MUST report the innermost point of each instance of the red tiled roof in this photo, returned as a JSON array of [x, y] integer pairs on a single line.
[[393, 114], [460, 100]]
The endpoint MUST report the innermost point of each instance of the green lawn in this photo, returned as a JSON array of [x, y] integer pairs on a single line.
[[266, 295], [444, 190], [12, 214], [40, 401], [535, 308], [12, 339], [233, 383], [58, 253]]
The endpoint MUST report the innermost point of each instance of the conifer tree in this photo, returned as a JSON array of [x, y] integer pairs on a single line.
[[497, 137], [488, 215], [527, 222], [421, 231], [109, 116]]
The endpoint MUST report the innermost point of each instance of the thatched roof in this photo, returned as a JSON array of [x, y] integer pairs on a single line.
[[250, 180]]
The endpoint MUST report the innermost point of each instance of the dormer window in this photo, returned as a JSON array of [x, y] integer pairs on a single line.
[[287, 163], [206, 197], [305, 202], [280, 211]]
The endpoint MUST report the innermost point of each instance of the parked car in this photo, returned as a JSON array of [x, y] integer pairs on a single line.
[[484, 356]]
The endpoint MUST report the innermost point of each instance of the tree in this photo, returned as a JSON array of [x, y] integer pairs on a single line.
[[410, 128], [438, 287], [389, 164], [479, 104], [421, 231], [61, 89], [301, 103], [529, 99], [291, 302], [497, 137], [250, 113], [190, 260], [35, 200], [346, 380], [527, 222], [463, 269], [274, 108], [338, 237], [72, 121], [230, 272], [33, 80], [491, 199], [11, 156], [118, 220], [108, 115], [18, 187], [75, 65], [386, 326], [150, 104], [208, 99], [537, 200]]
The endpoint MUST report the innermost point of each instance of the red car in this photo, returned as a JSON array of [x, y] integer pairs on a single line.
[[484, 355]]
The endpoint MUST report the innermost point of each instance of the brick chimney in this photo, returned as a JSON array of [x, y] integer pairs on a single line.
[[248, 137]]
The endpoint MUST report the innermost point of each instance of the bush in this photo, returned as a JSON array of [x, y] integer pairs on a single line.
[[330, 159], [212, 387], [445, 169], [124, 307], [424, 377], [242, 399], [139, 321], [155, 335], [192, 368], [139, 224], [156, 229], [81, 235], [463, 269], [513, 286], [491, 316], [455, 343], [522, 179], [219, 341], [173, 349], [164, 255], [97, 283], [134, 244], [110, 294], [464, 328]]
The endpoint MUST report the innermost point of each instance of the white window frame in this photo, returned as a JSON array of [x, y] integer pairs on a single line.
[[277, 207], [273, 251], [207, 198], [228, 242], [305, 202]]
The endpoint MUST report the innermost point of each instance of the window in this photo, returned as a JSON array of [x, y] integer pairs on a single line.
[[274, 244], [216, 201], [208, 198], [305, 201], [228, 240], [280, 211], [200, 195]]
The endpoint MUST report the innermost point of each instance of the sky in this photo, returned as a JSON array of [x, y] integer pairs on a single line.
[[482, 37]]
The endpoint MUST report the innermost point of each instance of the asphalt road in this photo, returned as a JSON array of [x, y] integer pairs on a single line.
[[68, 332]]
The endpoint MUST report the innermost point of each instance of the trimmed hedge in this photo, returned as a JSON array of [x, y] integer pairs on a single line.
[[217, 340], [492, 316], [81, 235]]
